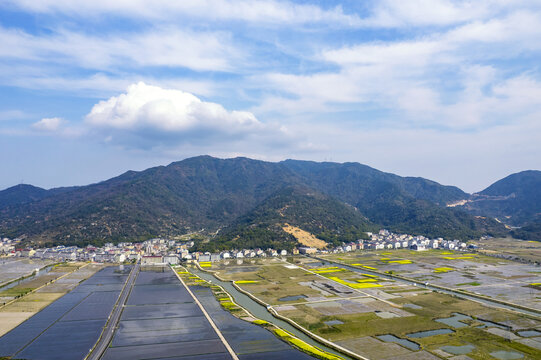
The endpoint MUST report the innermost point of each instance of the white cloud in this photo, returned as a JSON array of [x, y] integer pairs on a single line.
[[261, 12], [150, 116], [440, 13], [170, 47], [48, 124], [445, 79], [396, 13], [56, 127]]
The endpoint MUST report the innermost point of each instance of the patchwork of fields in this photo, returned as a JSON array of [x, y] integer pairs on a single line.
[[70, 326], [379, 318], [160, 320], [14, 268], [476, 273], [48, 287], [60, 314]]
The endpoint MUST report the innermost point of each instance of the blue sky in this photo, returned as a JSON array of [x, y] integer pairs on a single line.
[[447, 90]]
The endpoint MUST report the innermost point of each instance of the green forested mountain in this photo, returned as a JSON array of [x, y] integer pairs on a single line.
[[196, 193], [404, 204], [323, 216], [532, 231], [20, 194], [353, 182], [240, 195], [515, 199]]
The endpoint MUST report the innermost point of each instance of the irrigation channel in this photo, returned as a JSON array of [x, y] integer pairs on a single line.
[[261, 312], [428, 286]]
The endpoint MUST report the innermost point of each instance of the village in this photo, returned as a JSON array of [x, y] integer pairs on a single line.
[[165, 251]]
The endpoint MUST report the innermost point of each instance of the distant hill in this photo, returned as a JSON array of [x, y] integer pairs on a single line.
[[403, 204], [333, 201], [354, 182], [515, 199], [20, 194], [24, 193]]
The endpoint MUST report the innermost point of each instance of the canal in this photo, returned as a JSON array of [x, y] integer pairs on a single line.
[[261, 312]]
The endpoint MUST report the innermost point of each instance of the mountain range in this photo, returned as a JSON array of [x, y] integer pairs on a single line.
[[242, 202]]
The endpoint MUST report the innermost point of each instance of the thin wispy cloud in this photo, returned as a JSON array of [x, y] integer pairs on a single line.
[[262, 12]]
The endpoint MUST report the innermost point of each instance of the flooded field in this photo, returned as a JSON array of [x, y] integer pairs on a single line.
[[69, 327], [247, 340], [161, 320], [14, 268], [26, 306]]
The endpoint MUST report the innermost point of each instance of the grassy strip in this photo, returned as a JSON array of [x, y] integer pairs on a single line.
[[16, 292], [327, 271], [260, 322], [305, 347]]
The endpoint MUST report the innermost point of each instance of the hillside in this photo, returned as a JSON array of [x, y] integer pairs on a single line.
[[320, 215], [515, 199], [531, 231], [402, 204], [211, 194], [196, 193], [20, 194]]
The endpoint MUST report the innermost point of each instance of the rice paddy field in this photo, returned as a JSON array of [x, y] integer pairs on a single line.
[[497, 278], [33, 283], [69, 326], [528, 250], [379, 318], [14, 268], [276, 282], [26, 306], [162, 320]]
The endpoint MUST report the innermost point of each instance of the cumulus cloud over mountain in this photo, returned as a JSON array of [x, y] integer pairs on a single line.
[[149, 113]]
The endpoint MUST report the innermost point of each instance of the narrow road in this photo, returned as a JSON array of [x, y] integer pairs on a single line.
[[108, 331]]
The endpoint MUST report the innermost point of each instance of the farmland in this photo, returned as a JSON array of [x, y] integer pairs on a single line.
[[26, 306], [380, 318], [497, 278], [69, 326], [527, 250], [12, 269]]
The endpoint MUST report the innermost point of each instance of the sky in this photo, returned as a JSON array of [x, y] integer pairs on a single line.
[[446, 90]]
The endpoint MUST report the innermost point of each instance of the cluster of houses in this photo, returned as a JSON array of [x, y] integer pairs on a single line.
[[386, 240], [115, 253], [165, 251], [7, 246], [155, 251]]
